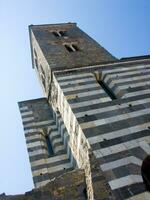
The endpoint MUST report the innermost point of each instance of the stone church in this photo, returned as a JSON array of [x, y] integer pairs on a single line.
[[89, 137]]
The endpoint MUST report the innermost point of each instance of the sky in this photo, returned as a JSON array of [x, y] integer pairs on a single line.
[[121, 26]]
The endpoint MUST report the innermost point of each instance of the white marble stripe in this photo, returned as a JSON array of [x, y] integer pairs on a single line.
[[56, 140], [121, 162], [118, 76], [134, 78], [116, 118], [52, 127], [27, 119], [134, 85], [116, 134], [53, 134], [111, 108], [76, 81], [40, 130], [131, 94], [71, 76], [145, 146], [80, 87], [49, 160], [88, 93], [125, 69], [41, 184], [47, 122], [37, 152], [59, 148], [23, 108], [33, 137], [90, 102], [124, 181], [32, 130], [120, 147], [26, 113], [51, 170], [36, 143]]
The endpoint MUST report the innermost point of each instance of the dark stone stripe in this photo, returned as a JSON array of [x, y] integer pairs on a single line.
[[75, 78], [137, 152], [126, 170], [27, 110], [57, 144], [60, 152], [75, 91], [120, 72], [38, 167], [110, 103], [136, 89], [76, 84], [32, 134], [39, 147], [114, 126], [118, 140], [125, 76], [99, 178], [33, 121], [26, 116], [128, 82], [129, 191], [131, 90], [49, 176], [35, 140], [54, 137], [38, 157], [38, 126], [112, 113], [40, 178], [88, 97], [28, 122]]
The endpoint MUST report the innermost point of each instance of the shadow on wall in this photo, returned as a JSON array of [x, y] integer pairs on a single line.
[[145, 171]]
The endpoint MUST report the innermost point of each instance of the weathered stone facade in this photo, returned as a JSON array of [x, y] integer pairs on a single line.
[[94, 121], [71, 185]]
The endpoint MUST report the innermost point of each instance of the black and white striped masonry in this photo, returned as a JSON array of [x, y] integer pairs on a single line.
[[95, 114], [118, 130], [38, 122]]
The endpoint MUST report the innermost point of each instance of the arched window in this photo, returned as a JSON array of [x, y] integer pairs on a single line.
[[145, 171]]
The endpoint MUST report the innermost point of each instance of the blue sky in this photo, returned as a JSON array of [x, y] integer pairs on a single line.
[[122, 27]]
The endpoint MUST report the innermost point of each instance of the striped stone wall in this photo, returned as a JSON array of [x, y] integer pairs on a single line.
[[39, 122], [116, 130], [97, 186]]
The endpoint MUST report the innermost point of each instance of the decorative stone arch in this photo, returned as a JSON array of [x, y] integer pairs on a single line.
[[145, 171]]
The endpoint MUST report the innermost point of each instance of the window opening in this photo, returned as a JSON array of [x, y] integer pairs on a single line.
[[59, 33], [49, 146], [71, 47], [56, 34], [75, 47], [68, 47], [62, 33], [107, 90]]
